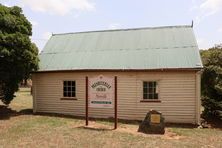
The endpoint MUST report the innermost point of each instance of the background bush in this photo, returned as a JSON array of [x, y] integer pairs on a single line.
[[212, 83]]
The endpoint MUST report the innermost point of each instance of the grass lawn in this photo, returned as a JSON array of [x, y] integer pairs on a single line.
[[20, 128]]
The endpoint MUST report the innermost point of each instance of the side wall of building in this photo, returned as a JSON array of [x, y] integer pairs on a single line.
[[178, 92]]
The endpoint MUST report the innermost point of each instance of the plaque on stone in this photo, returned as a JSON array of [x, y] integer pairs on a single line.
[[155, 118], [153, 123]]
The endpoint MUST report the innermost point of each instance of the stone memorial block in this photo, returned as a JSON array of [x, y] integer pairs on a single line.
[[153, 123]]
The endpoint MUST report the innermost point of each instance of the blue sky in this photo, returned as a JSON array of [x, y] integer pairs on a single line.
[[60, 16]]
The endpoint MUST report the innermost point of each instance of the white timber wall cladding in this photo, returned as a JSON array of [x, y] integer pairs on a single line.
[[177, 93]]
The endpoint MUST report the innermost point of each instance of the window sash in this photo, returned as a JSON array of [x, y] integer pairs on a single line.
[[69, 88], [150, 90]]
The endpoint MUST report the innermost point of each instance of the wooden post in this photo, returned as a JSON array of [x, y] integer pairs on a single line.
[[87, 104], [116, 119]]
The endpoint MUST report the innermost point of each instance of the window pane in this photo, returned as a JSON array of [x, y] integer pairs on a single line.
[[69, 88], [73, 83], [150, 90], [73, 94], [154, 90], [65, 89], [144, 96], [150, 84], [73, 89], [64, 83], [64, 94], [144, 90], [144, 84], [155, 96], [150, 96], [69, 94], [69, 83]]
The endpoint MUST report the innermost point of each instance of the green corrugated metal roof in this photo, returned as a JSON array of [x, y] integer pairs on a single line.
[[126, 49]]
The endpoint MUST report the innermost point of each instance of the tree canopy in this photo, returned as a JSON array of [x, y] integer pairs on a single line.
[[18, 55], [212, 82]]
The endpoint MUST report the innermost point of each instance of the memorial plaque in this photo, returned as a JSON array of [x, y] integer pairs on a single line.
[[155, 118]]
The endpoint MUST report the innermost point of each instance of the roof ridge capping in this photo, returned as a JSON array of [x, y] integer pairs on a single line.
[[127, 29]]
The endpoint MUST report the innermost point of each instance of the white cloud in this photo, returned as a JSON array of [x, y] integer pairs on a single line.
[[114, 26], [204, 43], [46, 35], [34, 23], [211, 6], [59, 7], [200, 41], [206, 9], [6, 4], [220, 30]]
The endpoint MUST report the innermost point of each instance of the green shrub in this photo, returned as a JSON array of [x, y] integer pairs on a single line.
[[212, 83]]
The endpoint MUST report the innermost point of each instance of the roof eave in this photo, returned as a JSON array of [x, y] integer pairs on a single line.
[[122, 70]]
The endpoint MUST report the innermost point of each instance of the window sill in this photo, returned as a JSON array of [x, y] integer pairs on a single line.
[[68, 98], [151, 100]]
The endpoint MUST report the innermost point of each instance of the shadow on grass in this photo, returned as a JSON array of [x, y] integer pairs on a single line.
[[181, 125], [213, 123], [6, 112]]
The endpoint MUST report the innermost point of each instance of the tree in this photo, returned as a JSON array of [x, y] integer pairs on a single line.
[[212, 82], [18, 55]]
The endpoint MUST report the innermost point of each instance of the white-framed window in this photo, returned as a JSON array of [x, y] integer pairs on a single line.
[[69, 88], [150, 90]]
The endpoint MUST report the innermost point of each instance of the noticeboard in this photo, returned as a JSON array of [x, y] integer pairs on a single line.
[[101, 92]]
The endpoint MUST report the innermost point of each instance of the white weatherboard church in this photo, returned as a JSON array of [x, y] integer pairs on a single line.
[[156, 68]]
